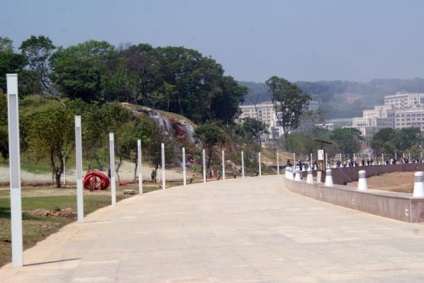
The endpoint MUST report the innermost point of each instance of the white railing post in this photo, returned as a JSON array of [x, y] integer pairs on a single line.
[[259, 163], [223, 165], [278, 164], [204, 165], [14, 169], [242, 164], [78, 159], [112, 167], [140, 168], [184, 168], [163, 165]]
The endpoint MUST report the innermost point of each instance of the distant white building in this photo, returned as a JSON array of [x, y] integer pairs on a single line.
[[265, 112], [399, 111]]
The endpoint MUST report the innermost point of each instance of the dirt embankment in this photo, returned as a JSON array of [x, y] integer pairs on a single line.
[[395, 182]]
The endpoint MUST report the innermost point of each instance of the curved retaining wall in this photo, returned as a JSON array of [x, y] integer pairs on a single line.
[[344, 175], [399, 206]]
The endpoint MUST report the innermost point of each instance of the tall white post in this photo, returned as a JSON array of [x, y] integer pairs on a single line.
[[14, 170], [259, 164], [326, 160], [242, 164], [184, 168], [278, 164], [311, 163], [112, 167], [140, 167], [163, 165], [64, 169], [223, 165], [78, 159], [294, 160], [204, 165], [382, 159], [418, 185]]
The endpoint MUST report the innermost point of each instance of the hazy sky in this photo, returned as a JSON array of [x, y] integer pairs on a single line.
[[308, 40]]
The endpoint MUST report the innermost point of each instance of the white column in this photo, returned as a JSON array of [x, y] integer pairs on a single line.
[[294, 160], [64, 169], [278, 164], [112, 167], [184, 168], [163, 165], [223, 165], [362, 181], [78, 159], [242, 164], [328, 178], [326, 161], [259, 164], [297, 175], [204, 165], [14, 170], [418, 185], [140, 167], [310, 176]]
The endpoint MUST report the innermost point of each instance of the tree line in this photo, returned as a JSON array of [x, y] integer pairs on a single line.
[[93, 78], [174, 79]]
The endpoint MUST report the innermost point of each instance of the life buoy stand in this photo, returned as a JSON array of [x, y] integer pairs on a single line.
[[95, 181]]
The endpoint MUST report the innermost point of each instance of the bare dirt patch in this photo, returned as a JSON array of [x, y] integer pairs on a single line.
[[396, 182]]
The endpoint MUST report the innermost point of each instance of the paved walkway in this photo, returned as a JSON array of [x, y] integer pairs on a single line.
[[243, 230]]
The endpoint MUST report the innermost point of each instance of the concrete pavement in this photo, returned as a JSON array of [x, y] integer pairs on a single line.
[[242, 230]]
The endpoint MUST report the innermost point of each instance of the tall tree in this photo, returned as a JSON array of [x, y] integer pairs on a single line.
[[51, 137], [211, 135], [289, 102], [347, 139], [79, 71], [38, 51], [255, 128], [10, 62]]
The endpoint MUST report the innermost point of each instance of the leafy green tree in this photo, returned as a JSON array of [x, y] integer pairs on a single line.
[[225, 104], [10, 62], [289, 102], [348, 140], [255, 128], [381, 141], [51, 137], [38, 51], [389, 141], [409, 137], [211, 135], [79, 71]]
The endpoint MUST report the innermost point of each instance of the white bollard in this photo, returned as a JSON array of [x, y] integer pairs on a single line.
[[310, 177], [328, 178], [362, 181], [297, 175], [418, 185], [290, 173]]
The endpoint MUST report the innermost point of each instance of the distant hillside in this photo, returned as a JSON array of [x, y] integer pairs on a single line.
[[343, 99]]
